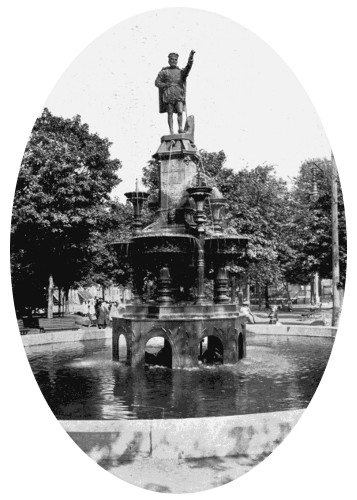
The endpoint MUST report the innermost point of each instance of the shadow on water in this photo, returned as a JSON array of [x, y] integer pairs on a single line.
[[80, 381]]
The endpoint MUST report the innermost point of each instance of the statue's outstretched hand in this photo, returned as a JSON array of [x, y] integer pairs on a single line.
[[192, 53]]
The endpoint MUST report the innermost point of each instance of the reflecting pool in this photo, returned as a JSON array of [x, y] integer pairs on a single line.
[[79, 380]]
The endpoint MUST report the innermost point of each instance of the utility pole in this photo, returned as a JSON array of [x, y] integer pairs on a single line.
[[336, 296]]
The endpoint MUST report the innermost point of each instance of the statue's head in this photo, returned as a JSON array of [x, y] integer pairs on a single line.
[[173, 57]]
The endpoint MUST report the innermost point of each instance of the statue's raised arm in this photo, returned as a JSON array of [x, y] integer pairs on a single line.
[[171, 82], [186, 70]]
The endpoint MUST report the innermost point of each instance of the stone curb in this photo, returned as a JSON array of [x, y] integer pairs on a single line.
[[65, 336], [252, 436], [303, 330]]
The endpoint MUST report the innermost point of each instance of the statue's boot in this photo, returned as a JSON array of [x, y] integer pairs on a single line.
[[181, 131]]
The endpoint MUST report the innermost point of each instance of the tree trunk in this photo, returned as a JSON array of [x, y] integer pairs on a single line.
[[66, 300], [59, 301], [259, 296], [248, 291], [266, 296], [103, 292], [317, 288], [286, 286], [50, 298], [312, 290]]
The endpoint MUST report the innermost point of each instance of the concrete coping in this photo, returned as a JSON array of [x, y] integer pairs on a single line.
[[293, 330], [253, 435], [96, 334]]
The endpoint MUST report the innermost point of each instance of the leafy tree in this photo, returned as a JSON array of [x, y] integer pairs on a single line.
[[311, 223], [61, 197], [114, 227], [150, 177]]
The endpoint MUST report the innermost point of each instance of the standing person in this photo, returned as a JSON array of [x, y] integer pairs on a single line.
[[246, 312], [91, 310], [109, 316], [103, 318], [85, 308], [171, 82], [114, 311], [99, 314], [97, 307], [273, 316]]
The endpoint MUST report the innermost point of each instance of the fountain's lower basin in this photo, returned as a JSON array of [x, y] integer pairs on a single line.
[[79, 380], [183, 328]]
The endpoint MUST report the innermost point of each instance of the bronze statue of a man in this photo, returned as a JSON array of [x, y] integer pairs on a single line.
[[171, 82]]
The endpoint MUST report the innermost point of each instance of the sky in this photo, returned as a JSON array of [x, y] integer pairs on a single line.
[[244, 98]]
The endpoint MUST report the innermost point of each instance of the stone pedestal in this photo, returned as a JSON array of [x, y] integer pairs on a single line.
[[178, 158], [183, 328]]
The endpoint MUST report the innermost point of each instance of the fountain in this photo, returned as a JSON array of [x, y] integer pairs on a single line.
[[179, 251], [239, 412]]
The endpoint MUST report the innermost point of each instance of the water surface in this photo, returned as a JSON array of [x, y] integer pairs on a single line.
[[80, 381]]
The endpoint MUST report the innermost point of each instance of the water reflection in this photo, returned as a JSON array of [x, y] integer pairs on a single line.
[[80, 381]]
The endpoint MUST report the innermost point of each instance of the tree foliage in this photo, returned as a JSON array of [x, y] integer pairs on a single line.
[[61, 198], [312, 224]]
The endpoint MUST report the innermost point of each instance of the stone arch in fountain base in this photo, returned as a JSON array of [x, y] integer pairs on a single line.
[[183, 334]]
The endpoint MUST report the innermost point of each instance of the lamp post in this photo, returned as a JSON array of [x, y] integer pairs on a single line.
[[137, 198], [314, 197], [199, 195], [336, 293]]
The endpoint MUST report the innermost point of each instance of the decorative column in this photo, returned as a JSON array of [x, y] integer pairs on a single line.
[[221, 286], [134, 287], [199, 195], [164, 287], [137, 199]]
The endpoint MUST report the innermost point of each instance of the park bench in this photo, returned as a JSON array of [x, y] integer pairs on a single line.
[[23, 330], [57, 324]]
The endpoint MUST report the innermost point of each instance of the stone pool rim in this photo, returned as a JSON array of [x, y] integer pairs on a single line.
[[252, 435], [82, 334]]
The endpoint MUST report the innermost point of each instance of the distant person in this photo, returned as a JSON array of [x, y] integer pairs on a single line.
[[85, 308], [91, 311], [103, 318], [91, 308], [114, 311], [97, 308], [246, 312], [273, 315]]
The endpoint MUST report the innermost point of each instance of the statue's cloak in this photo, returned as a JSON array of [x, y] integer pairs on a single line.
[[160, 78]]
